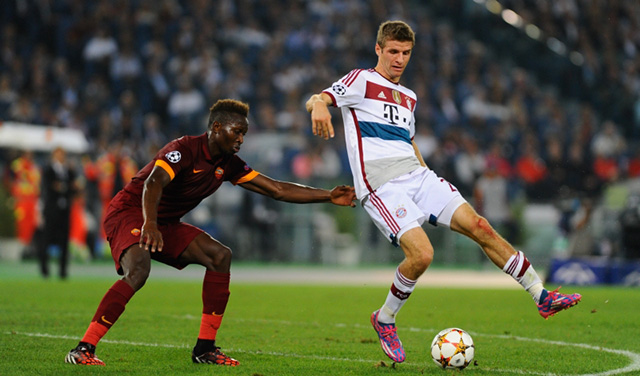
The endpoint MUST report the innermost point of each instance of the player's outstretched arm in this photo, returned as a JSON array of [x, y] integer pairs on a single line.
[[301, 194], [318, 107]]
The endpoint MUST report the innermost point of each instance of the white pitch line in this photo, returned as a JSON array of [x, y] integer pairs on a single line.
[[634, 357], [119, 342]]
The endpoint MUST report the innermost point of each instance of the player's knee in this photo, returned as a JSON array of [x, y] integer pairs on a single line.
[[136, 275], [225, 255], [136, 266], [421, 261], [482, 229], [220, 257]]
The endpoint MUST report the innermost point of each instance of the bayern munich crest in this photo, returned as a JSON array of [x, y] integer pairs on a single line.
[[173, 156], [401, 212]]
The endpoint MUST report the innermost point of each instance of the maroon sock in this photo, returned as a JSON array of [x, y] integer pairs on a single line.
[[215, 295], [108, 312]]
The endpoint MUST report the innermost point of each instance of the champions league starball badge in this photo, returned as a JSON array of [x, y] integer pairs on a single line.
[[339, 89], [173, 156]]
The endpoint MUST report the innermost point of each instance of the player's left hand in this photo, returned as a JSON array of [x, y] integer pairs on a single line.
[[151, 238], [343, 195]]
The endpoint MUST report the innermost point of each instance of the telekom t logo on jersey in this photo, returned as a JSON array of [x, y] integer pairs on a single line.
[[391, 113]]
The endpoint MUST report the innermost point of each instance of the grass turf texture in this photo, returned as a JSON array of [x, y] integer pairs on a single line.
[[313, 330]]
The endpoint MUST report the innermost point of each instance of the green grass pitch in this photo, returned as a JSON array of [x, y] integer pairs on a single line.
[[299, 329]]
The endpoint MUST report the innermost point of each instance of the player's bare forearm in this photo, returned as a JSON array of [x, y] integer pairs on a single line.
[[299, 193], [315, 98], [150, 236], [318, 107]]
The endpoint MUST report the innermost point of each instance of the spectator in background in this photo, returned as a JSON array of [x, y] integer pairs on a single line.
[[155, 89], [426, 141], [316, 163], [469, 165], [185, 107], [555, 161], [608, 142], [495, 156], [99, 51], [23, 110], [112, 171], [633, 164], [126, 67], [579, 175], [491, 197], [25, 190], [7, 95], [531, 170], [153, 138], [58, 189], [127, 118], [607, 147]]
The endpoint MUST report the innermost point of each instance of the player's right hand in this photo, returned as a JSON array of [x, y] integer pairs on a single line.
[[151, 238], [321, 120], [344, 195]]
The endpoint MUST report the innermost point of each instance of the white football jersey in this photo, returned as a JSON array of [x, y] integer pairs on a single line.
[[379, 124]]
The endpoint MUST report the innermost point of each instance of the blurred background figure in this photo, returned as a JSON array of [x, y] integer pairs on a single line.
[[25, 191], [491, 197], [111, 172], [58, 189]]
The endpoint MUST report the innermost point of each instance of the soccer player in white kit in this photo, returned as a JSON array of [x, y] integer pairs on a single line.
[[398, 190]]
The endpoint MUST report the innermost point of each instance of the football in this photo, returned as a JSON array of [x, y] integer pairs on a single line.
[[452, 348]]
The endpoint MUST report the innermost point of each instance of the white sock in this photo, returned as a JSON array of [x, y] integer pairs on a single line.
[[522, 271], [400, 290]]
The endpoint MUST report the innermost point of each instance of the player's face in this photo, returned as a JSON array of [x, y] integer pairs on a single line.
[[227, 138], [393, 59]]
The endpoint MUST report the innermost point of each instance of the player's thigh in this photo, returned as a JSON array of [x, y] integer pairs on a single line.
[[438, 199], [392, 211], [463, 219], [206, 251]]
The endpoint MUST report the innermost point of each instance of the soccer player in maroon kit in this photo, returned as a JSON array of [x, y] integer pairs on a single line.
[[143, 223]]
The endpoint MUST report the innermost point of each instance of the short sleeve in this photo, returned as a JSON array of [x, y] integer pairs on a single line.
[[173, 157], [349, 90], [238, 171]]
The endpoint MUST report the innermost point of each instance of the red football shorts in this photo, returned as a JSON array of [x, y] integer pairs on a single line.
[[122, 228]]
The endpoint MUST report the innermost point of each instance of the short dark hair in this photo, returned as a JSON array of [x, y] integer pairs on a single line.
[[224, 110], [395, 30]]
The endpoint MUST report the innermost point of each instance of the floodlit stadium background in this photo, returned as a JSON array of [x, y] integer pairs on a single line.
[[544, 93]]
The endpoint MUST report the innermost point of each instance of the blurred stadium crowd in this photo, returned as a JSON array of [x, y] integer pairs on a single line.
[[500, 114]]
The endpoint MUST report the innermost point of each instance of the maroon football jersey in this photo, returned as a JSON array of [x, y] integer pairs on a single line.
[[194, 176]]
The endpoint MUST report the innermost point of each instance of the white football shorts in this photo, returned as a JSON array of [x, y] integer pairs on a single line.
[[407, 201]]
